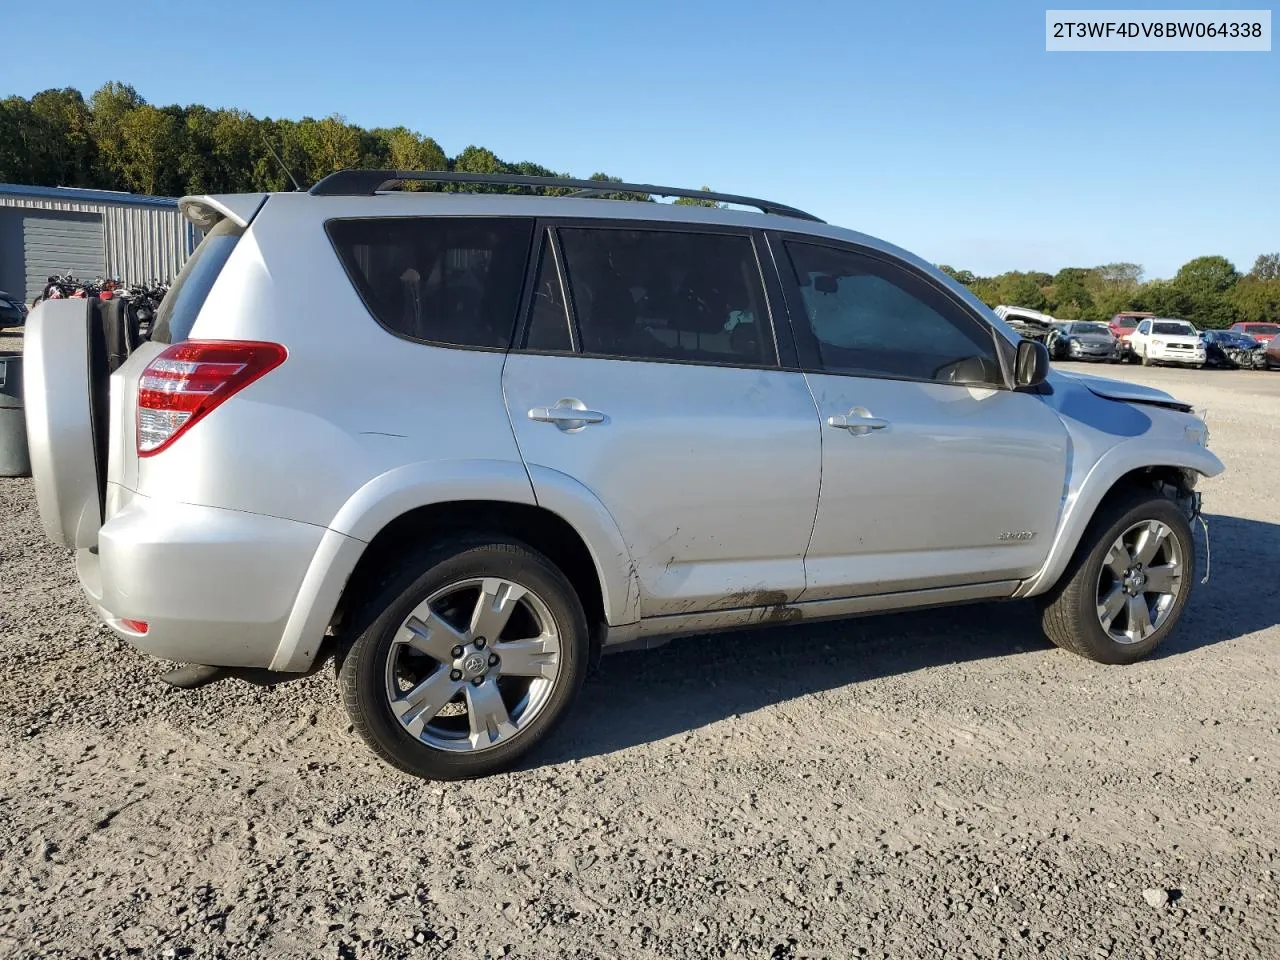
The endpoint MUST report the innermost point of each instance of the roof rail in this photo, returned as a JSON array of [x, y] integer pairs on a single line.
[[365, 183]]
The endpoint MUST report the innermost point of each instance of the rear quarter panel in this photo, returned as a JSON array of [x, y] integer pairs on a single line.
[[351, 402]]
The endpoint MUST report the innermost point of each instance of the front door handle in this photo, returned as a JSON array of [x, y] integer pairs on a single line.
[[569, 414], [857, 421]]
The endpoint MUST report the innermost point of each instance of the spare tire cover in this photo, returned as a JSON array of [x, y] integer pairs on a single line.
[[63, 432]]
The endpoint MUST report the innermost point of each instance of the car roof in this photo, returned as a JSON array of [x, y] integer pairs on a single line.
[[207, 209]]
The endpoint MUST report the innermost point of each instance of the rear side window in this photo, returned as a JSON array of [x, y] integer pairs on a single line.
[[548, 314], [872, 318], [449, 280], [180, 306], [668, 295]]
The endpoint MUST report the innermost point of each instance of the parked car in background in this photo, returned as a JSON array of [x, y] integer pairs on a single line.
[[1228, 350], [1122, 326], [1082, 340], [1166, 340], [1262, 332], [569, 426], [1271, 353], [13, 312], [1027, 323]]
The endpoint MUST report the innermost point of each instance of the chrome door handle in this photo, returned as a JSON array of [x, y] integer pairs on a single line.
[[567, 414], [857, 421]]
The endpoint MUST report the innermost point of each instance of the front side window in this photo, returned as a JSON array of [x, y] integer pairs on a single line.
[[873, 318], [668, 295], [448, 280], [1144, 327]]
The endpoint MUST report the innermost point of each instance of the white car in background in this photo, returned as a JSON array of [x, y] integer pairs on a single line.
[[1165, 340]]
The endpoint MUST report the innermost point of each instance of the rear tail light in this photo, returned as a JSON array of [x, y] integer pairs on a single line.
[[190, 379]]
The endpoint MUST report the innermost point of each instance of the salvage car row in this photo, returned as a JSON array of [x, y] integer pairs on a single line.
[[1147, 339]]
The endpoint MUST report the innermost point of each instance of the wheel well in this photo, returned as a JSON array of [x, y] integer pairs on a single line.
[[1176, 483], [537, 527]]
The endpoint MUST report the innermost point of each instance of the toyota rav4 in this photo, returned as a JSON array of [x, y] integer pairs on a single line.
[[468, 441]]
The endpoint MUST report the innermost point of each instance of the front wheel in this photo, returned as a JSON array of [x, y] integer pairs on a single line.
[[466, 660], [1127, 584]]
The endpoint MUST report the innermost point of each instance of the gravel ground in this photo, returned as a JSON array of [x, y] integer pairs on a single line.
[[940, 784]]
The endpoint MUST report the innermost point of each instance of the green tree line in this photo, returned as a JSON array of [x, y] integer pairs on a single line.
[[115, 140], [1209, 291]]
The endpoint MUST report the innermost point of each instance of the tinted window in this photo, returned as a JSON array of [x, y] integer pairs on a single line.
[[873, 318], [668, 295], [1174, 329], [548, 317], [1100, 329], [1261, 328], [1126, 323], [177, 312], [451, 280]]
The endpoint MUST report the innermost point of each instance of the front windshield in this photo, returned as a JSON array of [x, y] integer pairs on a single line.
[[1174, 329], [1096, 328]]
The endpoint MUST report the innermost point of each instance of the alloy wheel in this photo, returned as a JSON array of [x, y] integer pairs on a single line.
[[473, 664], [1139, 582]]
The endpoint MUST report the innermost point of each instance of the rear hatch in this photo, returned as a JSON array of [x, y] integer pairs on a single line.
[[81, 381]]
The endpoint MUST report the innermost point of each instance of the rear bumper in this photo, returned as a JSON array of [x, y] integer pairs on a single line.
[[213, 586]]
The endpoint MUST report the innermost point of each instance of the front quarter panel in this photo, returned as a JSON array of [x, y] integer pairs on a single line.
[[1110, 439]]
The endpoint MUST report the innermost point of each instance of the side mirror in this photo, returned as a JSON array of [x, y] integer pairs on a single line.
[[1032, 364]]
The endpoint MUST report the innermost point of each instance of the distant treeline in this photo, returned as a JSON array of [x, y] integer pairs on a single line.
[[115, 140], [1208, 291]]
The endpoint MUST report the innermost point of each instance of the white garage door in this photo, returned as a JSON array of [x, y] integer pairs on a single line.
[[58, 242]]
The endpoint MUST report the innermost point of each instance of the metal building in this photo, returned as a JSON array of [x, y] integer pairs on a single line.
[[90, 234]]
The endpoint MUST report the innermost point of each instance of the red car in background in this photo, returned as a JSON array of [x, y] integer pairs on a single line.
[[1262, 332], [1122, 326]]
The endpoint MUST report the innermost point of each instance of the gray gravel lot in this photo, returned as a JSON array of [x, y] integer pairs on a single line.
[[935, 784]]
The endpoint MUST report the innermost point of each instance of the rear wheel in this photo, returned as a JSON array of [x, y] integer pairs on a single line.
[[467, 660], [1127, 584]]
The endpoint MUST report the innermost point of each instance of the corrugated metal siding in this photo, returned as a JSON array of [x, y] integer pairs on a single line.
[[57, 242], [140, 242]]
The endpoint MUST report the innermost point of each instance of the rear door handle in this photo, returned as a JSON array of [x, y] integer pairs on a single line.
[[857, 421], [567, 414]]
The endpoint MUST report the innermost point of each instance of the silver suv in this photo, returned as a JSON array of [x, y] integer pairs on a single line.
[[468, 441]]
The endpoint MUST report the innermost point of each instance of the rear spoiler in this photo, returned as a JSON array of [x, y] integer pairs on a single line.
[[206, 211]]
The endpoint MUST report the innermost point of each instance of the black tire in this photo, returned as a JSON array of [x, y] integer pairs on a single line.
[[1069, 611], [362, 664]]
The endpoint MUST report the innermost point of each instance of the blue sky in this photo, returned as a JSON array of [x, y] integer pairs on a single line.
[[943, 127]]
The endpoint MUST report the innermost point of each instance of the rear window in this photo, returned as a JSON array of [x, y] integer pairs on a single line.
[[1261, 328], [454, 281], [180, 306]]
